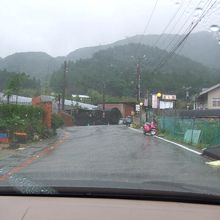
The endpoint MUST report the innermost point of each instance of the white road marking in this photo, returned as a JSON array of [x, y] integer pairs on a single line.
[[180, 145], [171, 142]]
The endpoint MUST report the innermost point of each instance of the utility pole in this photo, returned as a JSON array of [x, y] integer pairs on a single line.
[[187, 96], [139, 89], [103, 97], [64, 84], [138, 82]]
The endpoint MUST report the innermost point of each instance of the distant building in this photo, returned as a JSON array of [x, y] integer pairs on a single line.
[[163, 102], [209, 98], [82, 98], [121, 109]]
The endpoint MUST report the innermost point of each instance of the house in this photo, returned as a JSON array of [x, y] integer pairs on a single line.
[[209, 98]]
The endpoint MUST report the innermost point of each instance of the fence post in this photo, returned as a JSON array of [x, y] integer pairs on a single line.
[[193, 124]]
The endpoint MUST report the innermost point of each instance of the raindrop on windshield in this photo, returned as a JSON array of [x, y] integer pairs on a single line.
[[214, 28], [198, 10], [177, 2]]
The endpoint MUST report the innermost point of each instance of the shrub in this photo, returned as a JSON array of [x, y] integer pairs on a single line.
[[57, 121], [22, 118]]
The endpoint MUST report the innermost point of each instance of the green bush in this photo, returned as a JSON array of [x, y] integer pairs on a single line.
[[22, 118], [57, 121], [23, 111]]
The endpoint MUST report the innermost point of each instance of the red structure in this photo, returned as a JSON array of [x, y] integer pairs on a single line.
[[125, 108], [67, 118], [46, 103]]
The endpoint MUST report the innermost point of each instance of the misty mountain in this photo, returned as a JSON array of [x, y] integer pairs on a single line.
[[38, 64], [201, 47], [86, 52], [116, 68]]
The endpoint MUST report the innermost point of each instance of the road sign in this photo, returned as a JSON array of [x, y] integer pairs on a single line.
[[137, 108]]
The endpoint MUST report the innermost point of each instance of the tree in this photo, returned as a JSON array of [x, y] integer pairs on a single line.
[[15, 84]]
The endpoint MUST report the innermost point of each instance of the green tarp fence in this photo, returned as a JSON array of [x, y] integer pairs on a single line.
[[195, 131]]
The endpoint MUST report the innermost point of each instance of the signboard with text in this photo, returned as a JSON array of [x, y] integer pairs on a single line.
[[169, 97], [137, 108]]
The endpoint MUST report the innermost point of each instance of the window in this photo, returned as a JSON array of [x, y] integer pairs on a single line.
[[216, 102]]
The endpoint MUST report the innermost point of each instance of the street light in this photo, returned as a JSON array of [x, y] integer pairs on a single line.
[[158, 101], [141, 104], [159, 95]]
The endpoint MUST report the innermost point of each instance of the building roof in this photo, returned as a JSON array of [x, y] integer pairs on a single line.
[[80, 104], [129, 103], [81, 96], [16, 99], [47, 98], [28, 101], [209, 89]]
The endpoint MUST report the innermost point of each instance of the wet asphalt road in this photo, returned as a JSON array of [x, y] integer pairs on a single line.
[[121, 156]]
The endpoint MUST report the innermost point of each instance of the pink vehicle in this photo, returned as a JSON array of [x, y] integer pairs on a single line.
[[150, 128]]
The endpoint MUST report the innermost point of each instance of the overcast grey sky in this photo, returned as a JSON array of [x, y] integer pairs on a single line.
[[61, 26]]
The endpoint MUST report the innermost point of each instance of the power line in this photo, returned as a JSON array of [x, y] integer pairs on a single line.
[[173, 17], [146, 27], [197, 22], [178, 20], [182, 41], [176, 37], [175, 40], [165, 59], [185, 33], [168, 24]]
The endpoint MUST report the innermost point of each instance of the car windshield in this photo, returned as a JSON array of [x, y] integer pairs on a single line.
[[110, 95]]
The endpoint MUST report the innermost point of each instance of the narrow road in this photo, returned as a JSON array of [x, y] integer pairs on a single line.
[[121, 157]]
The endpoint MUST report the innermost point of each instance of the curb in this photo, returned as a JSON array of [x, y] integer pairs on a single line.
[[171, 142], [180, 145]]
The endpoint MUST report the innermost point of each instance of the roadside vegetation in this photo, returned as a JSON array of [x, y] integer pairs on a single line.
[[26, 122], [23, 119]]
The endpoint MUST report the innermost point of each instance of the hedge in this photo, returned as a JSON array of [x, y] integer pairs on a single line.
[[22, 118]]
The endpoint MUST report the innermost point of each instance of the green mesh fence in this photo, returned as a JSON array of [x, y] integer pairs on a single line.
[[200, 132]]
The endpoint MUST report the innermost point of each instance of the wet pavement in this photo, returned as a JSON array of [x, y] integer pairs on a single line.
[[12, 158], [114, 156]]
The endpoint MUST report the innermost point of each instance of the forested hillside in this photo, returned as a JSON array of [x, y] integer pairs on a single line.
[[115, 68], [200, 47], [19, 83]]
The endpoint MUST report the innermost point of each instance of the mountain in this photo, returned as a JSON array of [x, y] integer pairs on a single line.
[[204, 48], [201, 47], [84, 53], [116, 69], [36, 64]]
